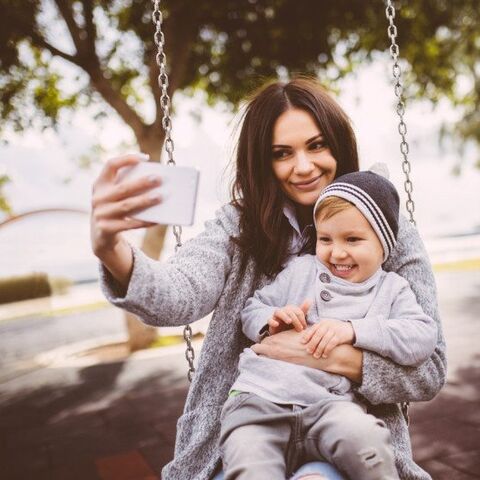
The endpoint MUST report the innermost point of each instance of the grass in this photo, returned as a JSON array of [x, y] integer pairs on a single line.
[[459, 265], [168, 340], [49, 312], [76, 309]]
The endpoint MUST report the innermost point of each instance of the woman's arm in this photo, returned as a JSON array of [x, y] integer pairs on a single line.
[[118, 260], [183, 289], [408, 336], [288, 346], [384, 381]]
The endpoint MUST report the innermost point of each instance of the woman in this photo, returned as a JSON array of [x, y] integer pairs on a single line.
[[293, 142]]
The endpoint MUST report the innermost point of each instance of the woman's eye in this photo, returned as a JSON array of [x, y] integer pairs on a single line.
[[280, 154], [317, 145]]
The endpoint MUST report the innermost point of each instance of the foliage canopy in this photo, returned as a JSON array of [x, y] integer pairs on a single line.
[[224, 48]]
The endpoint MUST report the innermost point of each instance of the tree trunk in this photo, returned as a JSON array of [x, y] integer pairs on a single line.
[[141, 335]]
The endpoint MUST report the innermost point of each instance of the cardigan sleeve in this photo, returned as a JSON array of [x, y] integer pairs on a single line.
[[187, 286], [384, 381]]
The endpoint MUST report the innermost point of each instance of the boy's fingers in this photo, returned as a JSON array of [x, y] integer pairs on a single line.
[[299, 321], [282, 316], [315, 339], [323, 343], [305, 306], [308, 335], [330, 346], [273, 323], [320, 333], [301, 317], [297, 325], [291, 315]]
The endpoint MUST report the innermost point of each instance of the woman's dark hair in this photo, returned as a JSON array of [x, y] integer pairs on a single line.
[[265, 233]]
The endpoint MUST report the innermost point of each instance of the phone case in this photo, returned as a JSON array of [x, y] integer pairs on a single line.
[[178, 190]]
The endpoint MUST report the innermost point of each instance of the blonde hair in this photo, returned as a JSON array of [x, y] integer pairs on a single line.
[[330, 207]]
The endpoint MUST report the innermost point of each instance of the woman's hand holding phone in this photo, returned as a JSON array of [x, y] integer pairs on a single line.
[[113, 204]]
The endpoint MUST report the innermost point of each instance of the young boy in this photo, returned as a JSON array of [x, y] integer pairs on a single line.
[[279, 413]]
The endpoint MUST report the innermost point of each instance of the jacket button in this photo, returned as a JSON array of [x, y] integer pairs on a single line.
[[324, 277], [325, 296]]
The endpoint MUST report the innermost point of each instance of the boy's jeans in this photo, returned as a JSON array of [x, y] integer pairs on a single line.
[[260, 439]]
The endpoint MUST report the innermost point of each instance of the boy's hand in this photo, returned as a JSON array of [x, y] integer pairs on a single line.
[[323, 337], [289, 316]]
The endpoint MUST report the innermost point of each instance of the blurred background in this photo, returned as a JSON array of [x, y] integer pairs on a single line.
[[78, 86]]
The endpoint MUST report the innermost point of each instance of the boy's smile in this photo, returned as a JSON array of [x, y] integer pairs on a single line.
[[348, 246], [342, 270]]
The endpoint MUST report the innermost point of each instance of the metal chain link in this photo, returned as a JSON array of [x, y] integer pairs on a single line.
[[402, 130], [161, 60], [400, 108]]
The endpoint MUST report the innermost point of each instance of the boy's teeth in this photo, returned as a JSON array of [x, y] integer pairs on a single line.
[[343, 267]]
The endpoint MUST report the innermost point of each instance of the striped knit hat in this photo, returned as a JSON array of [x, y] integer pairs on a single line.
[[375, 197]]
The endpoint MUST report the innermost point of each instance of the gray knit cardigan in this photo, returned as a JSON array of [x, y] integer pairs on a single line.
[[206, 275]]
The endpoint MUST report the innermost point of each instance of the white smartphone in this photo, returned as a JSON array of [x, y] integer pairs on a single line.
[[178, 190]]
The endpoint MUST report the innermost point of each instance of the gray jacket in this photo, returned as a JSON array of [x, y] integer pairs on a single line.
[[206, 275], [383, 311]]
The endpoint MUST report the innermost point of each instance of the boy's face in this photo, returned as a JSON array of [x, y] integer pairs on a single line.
[[348, 245]]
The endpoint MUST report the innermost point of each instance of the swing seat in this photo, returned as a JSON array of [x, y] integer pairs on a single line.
[[328, 471]]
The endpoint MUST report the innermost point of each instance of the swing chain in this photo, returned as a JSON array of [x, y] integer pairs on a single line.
[[400, 108], [161, 60], [189, 352], [402, 130]]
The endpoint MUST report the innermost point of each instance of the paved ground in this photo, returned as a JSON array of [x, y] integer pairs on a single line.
[[116, 420]]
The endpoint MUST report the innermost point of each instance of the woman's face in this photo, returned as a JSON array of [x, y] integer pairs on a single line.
[[301, 161]]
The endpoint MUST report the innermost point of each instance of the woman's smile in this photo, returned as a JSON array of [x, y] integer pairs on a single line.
[[307, 185]]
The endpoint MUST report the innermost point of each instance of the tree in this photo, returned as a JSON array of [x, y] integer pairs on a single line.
[[223, 48]]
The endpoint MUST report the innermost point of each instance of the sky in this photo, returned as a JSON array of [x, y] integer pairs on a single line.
[[44, 172]]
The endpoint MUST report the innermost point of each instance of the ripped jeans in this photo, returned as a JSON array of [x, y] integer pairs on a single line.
[[260, 439]]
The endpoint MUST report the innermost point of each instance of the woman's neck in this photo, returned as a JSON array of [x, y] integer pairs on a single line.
[[304, 215]]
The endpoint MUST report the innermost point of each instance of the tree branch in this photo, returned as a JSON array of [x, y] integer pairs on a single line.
[[41, 42], [75, 31], [117, 102], [89, 61], [90, 27]]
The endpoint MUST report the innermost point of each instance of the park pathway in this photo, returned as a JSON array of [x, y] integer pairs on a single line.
[[116, 421]]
